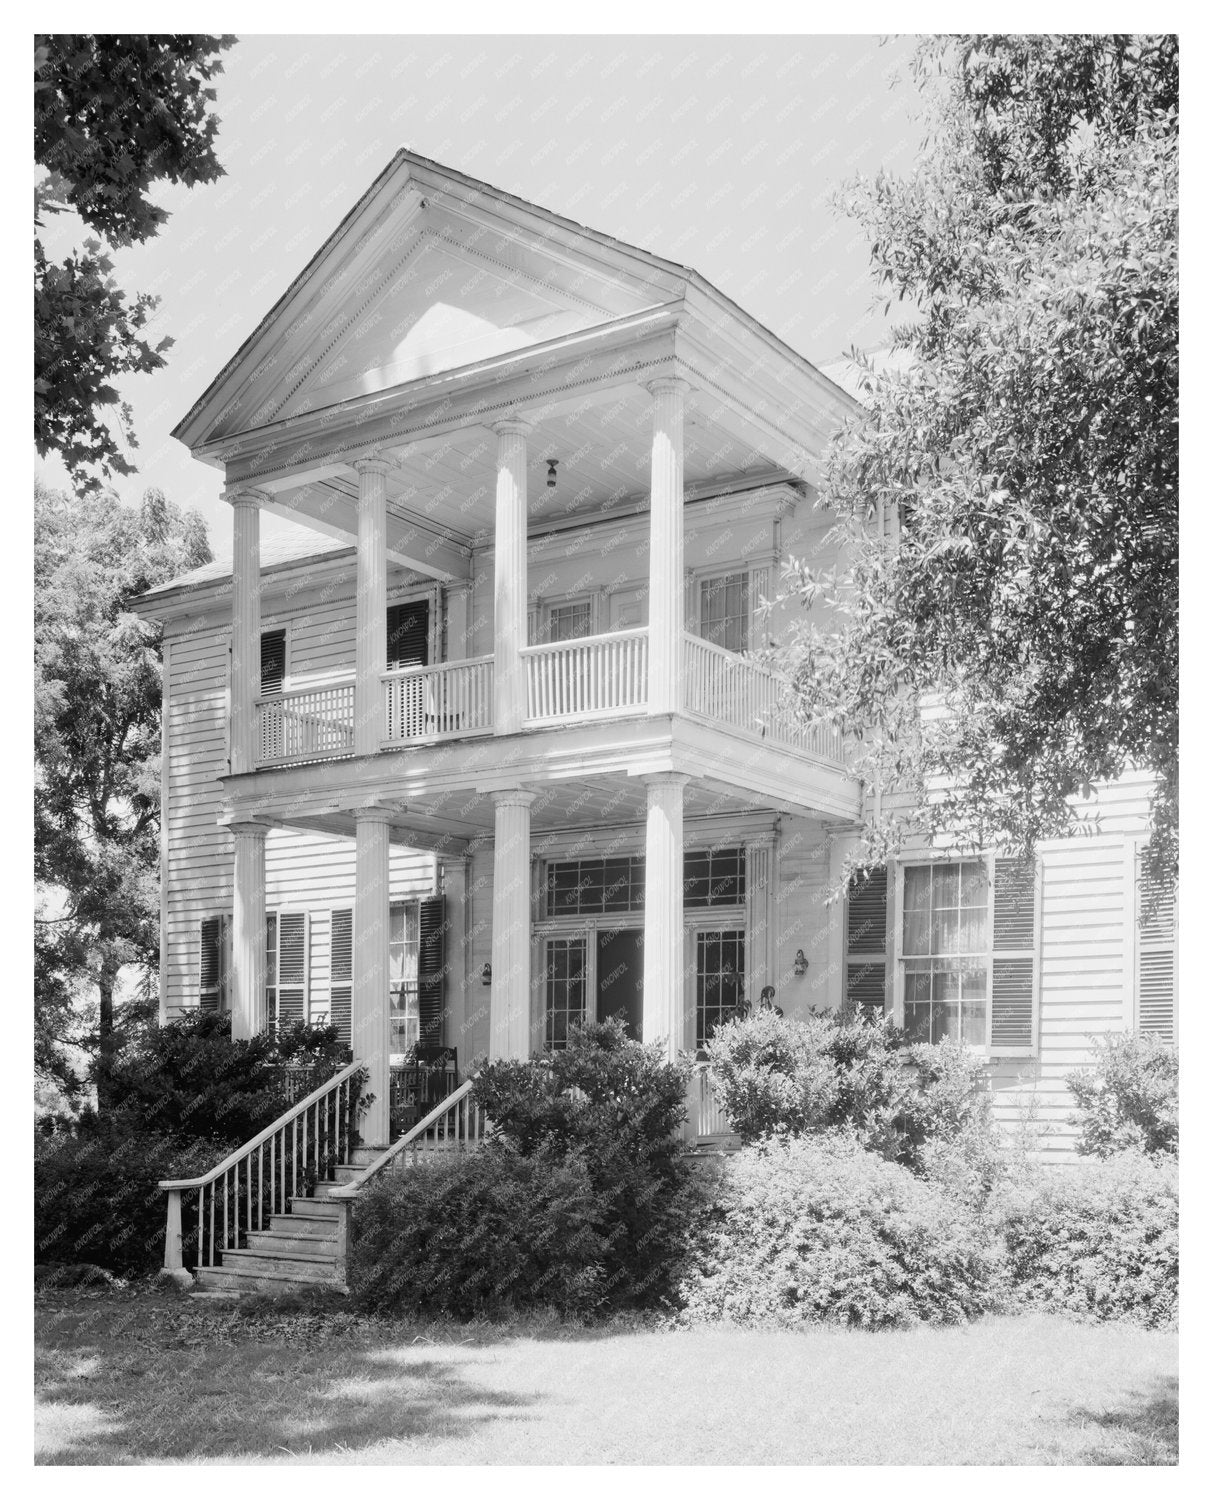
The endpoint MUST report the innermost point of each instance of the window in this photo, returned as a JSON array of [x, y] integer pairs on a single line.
[[724, 611], [212, 980], [945, 951], [577, 887], [404, 943], [570, 621], [408, 634], [713, 877], [719, 980], [273, 662], [564, 988], [286, 976]]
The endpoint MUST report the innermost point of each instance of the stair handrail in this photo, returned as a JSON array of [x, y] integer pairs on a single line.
[[243, 1156], [351, 1189]]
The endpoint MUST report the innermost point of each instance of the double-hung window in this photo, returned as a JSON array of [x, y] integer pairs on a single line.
[[724, 610], [945, 949]]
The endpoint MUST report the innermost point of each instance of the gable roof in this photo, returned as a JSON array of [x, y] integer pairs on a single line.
[[432, 271]]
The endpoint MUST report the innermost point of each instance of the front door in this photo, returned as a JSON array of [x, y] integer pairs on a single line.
[[620, 974]]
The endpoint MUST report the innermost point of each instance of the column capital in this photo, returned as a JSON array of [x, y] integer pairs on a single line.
[[513, 797], [371, 814], [665, 778], [370, 463], [253, 827], [244, 495], [661, 384], [512, 426]]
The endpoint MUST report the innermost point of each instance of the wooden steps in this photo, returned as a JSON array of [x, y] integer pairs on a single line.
[[299, 1249]]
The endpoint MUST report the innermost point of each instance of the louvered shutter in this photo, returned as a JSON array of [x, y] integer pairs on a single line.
[[408, 634], [431, 970], [1013, 959], [273, 662], [212, 976], [867, 926], [1155, 955], [292, 967], [341, 987]]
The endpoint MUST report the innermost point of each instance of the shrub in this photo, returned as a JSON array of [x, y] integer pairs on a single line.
[[1099, 1239], [189, 1079], [1130, 1099], [478, 1233], [838, 1069], [96, 1199], [615, 1105], [818, 1229]]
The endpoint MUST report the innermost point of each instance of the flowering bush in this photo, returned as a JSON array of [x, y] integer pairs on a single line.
[[1099, 1239], [779, 1077], [820, 1229], [1130, 1099]]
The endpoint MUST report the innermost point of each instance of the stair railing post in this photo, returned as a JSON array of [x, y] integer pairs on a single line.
[[172, 1232]]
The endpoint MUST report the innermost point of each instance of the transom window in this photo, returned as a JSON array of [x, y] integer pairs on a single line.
[[580, 887], [719, 980], [724, 611], [713, 877], [945, 950], [564, 988]]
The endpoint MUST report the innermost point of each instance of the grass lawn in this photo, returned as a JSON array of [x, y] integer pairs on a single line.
[[135, 1376]]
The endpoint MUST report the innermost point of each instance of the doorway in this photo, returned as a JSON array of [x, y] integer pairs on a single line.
[[620, 977]]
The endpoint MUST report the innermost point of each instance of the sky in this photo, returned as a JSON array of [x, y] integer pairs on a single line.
[[722, 153]]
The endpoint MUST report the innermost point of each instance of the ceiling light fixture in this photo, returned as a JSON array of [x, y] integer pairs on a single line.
[[552, 462]]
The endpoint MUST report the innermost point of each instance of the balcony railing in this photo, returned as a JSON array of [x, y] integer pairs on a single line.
[[312, 724], [593, 678], [445, 702], [596, 675], [729, 689]]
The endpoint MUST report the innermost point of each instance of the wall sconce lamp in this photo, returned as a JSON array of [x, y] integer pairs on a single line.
[[800, 966], [486, 974]]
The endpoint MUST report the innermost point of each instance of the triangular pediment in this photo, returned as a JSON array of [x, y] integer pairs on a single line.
[[430, 273]]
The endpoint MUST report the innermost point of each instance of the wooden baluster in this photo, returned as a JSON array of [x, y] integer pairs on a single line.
[[211, 1237]]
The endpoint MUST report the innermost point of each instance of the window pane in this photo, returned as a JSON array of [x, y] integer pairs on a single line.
[[946, 885], [918, 1022], [916, 931], [945, 930]]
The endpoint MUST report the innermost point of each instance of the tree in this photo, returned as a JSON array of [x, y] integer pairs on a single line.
[[97, 747], [112, 116], [1009, 498]]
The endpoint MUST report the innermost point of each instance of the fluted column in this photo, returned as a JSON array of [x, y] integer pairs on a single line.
[[454, 877], [665, 547], [371, 1021], [510, 999], [246, 626], [370, 645], [509, 577], [663, 937], [248, 930], [760, 925]]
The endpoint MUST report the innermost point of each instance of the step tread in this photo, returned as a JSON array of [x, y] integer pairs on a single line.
[[220, 1278], [257, 1254]]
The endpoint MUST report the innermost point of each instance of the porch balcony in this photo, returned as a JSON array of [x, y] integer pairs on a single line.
[[590, 679]]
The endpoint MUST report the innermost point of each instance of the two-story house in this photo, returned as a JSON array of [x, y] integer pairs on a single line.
[[488, 752]]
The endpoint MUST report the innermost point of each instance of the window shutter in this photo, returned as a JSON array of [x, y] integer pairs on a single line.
[[1155, 956], [292, 967], [273, 661], [431, 970], [408, 634], [212, 975], [867, 928], [341, 987], [1013, 961]]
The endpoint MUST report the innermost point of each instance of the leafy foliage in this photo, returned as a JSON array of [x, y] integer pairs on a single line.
[[113, 115], [481, 1233], [615, 1105], [1129, 1101], [96, 1199], [1022, 445], [190, 1079], [785, 1077], [819, 1230], [1099, 1240]]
